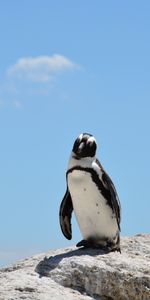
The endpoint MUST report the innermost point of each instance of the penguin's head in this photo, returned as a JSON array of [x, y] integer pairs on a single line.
[[84, 146]]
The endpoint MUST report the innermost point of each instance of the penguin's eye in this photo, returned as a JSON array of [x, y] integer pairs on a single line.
[[89, 143]]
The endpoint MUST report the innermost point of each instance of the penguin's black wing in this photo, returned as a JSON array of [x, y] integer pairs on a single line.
[[111, 194], [65, 214]]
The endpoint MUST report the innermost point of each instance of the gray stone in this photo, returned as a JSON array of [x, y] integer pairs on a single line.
[[82, 274]]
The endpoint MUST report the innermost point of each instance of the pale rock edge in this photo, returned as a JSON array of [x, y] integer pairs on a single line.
[[82, 274]]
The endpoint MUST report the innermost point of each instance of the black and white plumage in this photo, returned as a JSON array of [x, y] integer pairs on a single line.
[[93, 197]]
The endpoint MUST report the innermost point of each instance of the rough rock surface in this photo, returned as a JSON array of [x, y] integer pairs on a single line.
[[82, 274]]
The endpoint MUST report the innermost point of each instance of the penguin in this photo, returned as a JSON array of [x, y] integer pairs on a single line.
[[92, 196]]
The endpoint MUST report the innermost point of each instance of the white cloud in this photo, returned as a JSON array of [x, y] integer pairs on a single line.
[[40, 68]]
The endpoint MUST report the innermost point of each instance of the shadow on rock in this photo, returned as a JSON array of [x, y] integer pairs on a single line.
[[46, 265]]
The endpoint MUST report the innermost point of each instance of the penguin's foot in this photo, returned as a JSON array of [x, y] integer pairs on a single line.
[[116, 249], [109, 247], [84, 243], [113, 247], [90, 243]]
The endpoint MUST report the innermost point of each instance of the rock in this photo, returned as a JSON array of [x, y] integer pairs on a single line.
[[82, 274]]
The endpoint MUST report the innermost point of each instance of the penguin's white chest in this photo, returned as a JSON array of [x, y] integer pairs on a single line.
[[94, 216]]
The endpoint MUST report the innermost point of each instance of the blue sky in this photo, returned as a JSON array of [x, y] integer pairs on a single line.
[[69, 67]]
